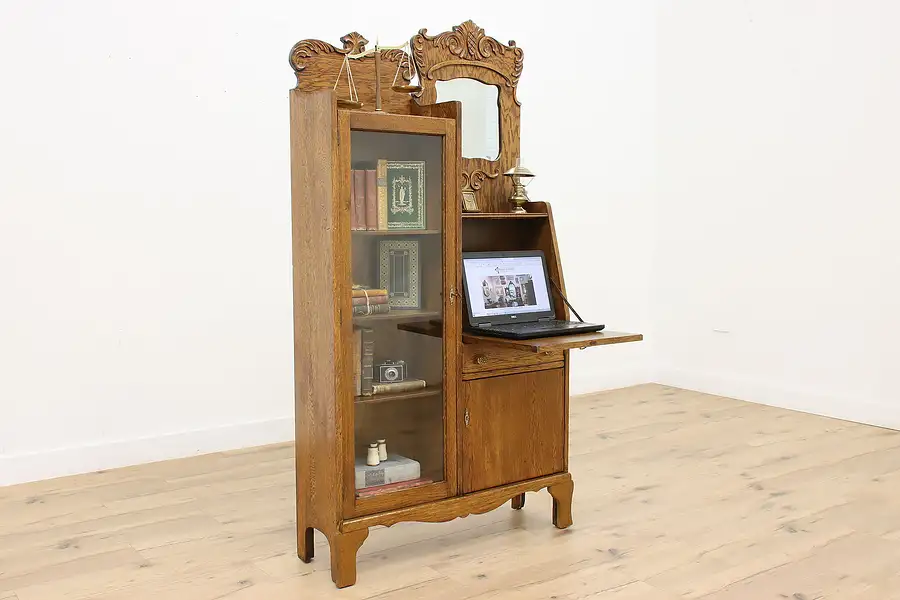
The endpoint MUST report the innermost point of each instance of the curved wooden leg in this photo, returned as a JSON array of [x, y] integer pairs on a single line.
[[305, 549], [518, 502], [562, 503], [344, 547]]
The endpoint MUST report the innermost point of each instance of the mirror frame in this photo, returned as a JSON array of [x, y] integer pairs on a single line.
[[466, 52]]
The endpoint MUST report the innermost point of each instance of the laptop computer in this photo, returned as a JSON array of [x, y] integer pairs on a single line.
[[508, 295]]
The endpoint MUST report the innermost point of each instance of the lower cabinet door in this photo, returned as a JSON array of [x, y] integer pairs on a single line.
[[513, 428]]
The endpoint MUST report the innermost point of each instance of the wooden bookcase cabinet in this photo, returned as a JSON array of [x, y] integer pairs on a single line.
[[493, 422]]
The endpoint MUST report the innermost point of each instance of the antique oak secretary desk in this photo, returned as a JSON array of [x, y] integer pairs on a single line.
[[477, 421]]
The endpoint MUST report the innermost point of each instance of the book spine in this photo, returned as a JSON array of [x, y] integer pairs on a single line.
[[367, 366], [371, 200], [362, 293], [398, 386], [357, 361], [383, 299], [363, 310], [381, 184], [353, 223], [359, 185]]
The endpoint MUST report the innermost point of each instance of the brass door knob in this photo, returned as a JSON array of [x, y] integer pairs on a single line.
[[481, 359]]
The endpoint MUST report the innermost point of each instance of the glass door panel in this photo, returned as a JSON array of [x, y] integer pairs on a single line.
[[397, 280]]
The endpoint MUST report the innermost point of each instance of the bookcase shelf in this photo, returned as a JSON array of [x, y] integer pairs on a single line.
[[397, 315], [504, 216], [393, 232], [431, 390]]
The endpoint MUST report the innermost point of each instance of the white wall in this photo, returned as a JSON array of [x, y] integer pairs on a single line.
[[779, 143], [144, 209]]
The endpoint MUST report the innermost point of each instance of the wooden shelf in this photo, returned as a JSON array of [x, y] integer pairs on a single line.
[[425, 392], [560, 342], [504, 216], [393, 232], [429, 328], [397, 315]]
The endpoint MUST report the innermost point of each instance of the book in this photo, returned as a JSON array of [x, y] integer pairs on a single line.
[[367, 360], [398, 386], [353, 223], [359, 187], [364, 310], [375, 490], [379, 299], [371, 200], [381, 193], [359, 292], [357, 361], [405, 185], [393, 470]]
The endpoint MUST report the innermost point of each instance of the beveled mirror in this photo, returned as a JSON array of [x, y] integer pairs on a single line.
[[460, 58], [480, 115]]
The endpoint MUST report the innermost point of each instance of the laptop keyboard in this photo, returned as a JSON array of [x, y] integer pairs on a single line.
[[539, 326]]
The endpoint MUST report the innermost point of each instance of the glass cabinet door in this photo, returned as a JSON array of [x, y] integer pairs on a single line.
[[397, 287]]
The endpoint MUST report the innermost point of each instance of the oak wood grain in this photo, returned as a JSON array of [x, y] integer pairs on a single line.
[[515, 429], [460, 506], [556, 343], [316, 218], [317, 64], [513, 370], [490, 357], [466, 52]]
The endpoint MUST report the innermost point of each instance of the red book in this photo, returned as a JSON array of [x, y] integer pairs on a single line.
[[371, 200], [353, 223], [392, 487], [359, 186]]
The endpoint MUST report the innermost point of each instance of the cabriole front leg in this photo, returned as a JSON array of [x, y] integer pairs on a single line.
[[562, 503]]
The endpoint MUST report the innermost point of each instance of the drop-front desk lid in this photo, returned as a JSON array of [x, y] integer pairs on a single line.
[[560, 342]]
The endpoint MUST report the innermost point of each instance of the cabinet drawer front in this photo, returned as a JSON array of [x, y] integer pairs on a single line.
[[485, 357]]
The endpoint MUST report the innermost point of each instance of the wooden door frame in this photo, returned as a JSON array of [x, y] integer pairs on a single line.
[[349, 121]]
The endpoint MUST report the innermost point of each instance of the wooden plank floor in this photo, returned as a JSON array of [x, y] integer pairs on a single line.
[[677, 495]]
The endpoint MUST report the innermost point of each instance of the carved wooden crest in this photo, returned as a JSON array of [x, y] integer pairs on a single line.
[[316, 65], [467, 52], [466, 45]]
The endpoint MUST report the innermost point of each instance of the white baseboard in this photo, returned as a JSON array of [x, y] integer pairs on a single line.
[[584, 381], [21, 468], [858, 410]]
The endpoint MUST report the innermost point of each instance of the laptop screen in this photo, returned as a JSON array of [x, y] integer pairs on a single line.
[[506, 285]]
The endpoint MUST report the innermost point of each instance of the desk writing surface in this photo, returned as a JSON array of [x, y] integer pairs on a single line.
[[559, 342]]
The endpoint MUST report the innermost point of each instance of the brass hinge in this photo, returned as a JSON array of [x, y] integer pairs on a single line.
[[466, 418], [452, 295]]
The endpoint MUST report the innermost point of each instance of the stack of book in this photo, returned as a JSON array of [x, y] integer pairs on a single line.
[[395, 474], [370, 302], [370, 197], [364, 203]]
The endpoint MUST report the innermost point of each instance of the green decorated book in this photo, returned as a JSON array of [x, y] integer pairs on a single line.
[[405, 186]]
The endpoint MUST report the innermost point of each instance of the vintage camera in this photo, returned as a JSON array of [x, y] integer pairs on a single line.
[[391, 371]]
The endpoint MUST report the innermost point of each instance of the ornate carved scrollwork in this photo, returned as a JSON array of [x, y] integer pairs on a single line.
[[467, 45], [354, 43], [475, 179], [466, 52]]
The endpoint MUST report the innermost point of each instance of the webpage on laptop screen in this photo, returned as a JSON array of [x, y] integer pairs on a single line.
[[504, 286]]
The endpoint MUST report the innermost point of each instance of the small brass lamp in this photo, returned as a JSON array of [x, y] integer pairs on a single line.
[[521, 177]]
